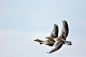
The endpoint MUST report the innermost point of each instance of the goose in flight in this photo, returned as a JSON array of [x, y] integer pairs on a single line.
[[53, 34], [46, 42], [60, 40]]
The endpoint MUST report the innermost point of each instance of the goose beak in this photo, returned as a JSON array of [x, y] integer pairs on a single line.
[[34, 40], [46, 37]]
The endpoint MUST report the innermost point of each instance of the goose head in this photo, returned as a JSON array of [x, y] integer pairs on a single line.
[[37, 40]]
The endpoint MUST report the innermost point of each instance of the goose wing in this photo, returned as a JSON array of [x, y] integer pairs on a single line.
[[64, 30], [57, 45], [54, 32]]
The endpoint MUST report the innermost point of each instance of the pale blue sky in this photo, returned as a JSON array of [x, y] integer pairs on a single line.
[[22, 21]]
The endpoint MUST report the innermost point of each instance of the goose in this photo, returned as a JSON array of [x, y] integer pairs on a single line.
[[53, 34], [46, 42], [61, 39]]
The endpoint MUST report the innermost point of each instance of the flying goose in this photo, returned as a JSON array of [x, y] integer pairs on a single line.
[[60, 40], [53, 34], [46, 42]]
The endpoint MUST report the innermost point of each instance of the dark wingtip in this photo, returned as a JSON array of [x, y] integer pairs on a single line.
[[48, 52], [55, 25], [70, 43], [64, 21]]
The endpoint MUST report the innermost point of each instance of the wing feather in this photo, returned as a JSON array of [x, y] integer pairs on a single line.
[[54, 32], [64, 29], [57, 45]]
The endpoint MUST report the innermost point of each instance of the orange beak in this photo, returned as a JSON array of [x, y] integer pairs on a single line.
[[34, 40], [46, 37]]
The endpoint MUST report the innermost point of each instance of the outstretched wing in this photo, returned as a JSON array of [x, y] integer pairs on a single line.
[[57, 45], [64, 30], [54, 32]]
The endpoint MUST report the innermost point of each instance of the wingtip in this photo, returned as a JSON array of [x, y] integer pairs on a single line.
[[48, 52], [64, 21], [55, 25]]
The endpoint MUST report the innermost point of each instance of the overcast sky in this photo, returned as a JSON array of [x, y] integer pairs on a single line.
[[22, 21]]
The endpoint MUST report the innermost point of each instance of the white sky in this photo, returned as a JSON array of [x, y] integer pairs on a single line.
[[22, 21]]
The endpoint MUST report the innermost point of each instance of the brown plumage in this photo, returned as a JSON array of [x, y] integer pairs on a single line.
[[48, 42], [53, 34], [59, 41]]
